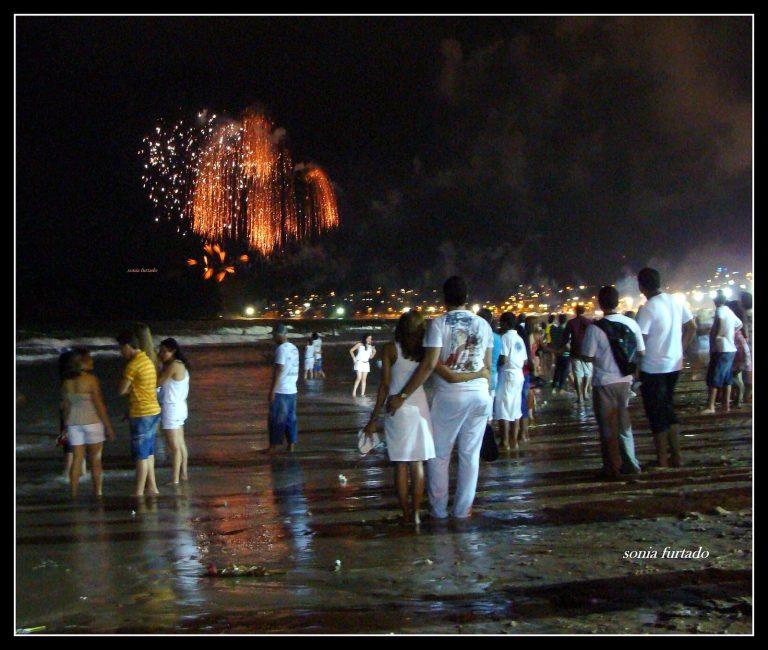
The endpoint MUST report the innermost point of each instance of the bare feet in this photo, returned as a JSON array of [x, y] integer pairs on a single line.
[[153, 493], [291, 447], [707, 411]]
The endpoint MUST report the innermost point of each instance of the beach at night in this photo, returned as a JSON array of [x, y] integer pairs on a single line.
[[544, 551]]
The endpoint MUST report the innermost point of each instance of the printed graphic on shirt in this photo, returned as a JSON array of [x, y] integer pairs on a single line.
[[465, 352]]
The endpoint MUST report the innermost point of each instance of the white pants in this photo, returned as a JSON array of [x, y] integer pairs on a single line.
[[463, 415]]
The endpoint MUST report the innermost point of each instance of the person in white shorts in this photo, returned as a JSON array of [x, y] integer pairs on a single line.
[[309, 359], [86, 418], [174, 389], [463, 342]]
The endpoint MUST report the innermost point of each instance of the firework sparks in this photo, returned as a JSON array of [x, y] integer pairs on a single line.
[[214, 263], [234, 181]]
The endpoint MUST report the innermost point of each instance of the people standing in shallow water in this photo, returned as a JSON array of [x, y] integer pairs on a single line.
[[361, 354], [408, 432], [174, 389], [309, 359], [140, 384], [317, 341], [64, 359], [86, 418], [282, 392]]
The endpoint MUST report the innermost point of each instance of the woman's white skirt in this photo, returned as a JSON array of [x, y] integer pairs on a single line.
[[507, 404], [409, 433]]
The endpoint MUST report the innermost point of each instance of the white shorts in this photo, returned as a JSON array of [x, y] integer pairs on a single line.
[[509, 397], [173, 416], [85, 434], [362, 366], [581, 368], [309, 363]]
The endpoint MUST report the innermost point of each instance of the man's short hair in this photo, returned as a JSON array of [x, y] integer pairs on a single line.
[[608, 297], [561, 318], [649, 278], [508, 320], [127, 337], [455, 291], [720, 299], [580, 309]]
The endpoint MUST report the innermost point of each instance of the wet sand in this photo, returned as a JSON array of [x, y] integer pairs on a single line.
[[543, 552]]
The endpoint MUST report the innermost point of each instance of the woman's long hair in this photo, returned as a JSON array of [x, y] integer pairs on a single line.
[[173, 346], [409, 333], [146, 343]]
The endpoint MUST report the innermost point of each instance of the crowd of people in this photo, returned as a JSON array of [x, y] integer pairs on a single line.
[[480, 375], [157, 392]]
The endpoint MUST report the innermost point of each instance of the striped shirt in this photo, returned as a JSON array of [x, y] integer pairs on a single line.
[[143, 377]]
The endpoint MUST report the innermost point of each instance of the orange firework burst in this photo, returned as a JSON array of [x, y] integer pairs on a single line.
[[214, 263], [234, 181]]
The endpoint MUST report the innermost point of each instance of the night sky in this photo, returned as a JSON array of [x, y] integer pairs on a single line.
[[506, 149]]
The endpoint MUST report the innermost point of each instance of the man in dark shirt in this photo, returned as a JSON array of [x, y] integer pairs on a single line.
[[575, 330]]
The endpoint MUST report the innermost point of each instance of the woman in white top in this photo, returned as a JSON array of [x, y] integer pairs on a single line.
[[85, 416], [365, 352], [309, 359], [174, 389], [409, 432]]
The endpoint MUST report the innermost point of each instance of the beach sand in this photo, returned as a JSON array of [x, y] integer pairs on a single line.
[[544, 551]]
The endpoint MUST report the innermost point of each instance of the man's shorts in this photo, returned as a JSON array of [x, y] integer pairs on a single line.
[[85, 434], [581, 368], [318, 364], [143, 434], [719, 370]]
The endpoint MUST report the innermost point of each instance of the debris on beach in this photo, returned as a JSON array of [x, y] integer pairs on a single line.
[[342, 479], [29, 630], [337, 565], [239, 570]]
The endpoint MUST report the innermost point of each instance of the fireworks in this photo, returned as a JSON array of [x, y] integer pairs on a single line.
[[215, 264], [234, 181]]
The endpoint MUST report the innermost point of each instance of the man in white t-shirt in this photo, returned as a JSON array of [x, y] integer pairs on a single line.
[[282, 391], [462, 342], [667, 326], [610, 389], [722, 353], [318, 343]]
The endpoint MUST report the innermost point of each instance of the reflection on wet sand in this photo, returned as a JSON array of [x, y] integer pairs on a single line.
[[543, 553]]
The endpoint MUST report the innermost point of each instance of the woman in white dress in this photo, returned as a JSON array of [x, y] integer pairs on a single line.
[[409, 432], [361, 354], [174, 389]]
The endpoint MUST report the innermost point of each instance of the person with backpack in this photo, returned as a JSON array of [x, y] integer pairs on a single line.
[[613, 344]]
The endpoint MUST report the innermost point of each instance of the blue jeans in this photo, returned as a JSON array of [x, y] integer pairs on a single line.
[[282, 419], [143, 434]]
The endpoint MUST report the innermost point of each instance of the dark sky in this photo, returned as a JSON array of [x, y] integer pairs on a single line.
[[506, 149]]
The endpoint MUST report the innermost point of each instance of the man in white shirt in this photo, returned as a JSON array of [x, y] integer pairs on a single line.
[[667, 326], [610, 389], [318, 343], [282, 391], [722, 353], [463, 342]]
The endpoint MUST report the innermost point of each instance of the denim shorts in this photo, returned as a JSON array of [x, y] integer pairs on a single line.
[[318, 364], [143, 434], [719, 372]]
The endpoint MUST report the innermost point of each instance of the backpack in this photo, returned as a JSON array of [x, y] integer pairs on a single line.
[[623, 344]]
